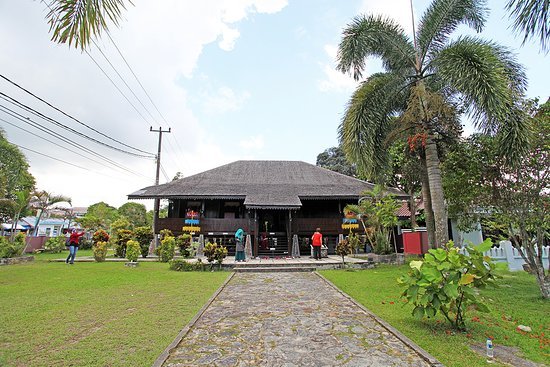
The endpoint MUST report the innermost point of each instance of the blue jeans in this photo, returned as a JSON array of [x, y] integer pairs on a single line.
[[72, 253]]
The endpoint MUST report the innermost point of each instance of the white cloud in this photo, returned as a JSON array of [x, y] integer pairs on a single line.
[[224, 100], [334, 81], [252, 143]]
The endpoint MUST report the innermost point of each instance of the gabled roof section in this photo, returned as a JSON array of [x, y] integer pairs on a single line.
[[282, 184]]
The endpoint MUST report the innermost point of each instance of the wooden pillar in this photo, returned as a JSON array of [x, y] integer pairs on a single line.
[[255, 252], [289, 233]]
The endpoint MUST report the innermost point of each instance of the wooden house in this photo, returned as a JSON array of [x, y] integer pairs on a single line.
[[269, 200]]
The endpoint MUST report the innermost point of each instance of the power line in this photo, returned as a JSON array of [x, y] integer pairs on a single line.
[[49, 156], [71, 117], [36, 125], [59, 124]]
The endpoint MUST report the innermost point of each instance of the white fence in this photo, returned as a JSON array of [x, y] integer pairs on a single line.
[[507, 253]]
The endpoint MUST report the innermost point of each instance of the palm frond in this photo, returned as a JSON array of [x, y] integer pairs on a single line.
[[374, 36], [442, 17], [514, 136], [79, 21], [486, 75], [367, 121], [532, 17]]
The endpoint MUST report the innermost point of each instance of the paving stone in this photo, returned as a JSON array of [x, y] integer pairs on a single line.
[[287, 320]]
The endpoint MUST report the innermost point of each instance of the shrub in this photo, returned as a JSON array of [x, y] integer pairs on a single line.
[[184, 243], [446, 281], [354, 242], [343, 248], [144, 235], [132, 250], [100, 236], [10, 249], [215, 252], [100, 250], [165, 233], [183, 265], [167, 249], [122, 237], [55, 244], [85, 244]]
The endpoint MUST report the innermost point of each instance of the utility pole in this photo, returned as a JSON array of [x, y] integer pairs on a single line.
[[157, 201]]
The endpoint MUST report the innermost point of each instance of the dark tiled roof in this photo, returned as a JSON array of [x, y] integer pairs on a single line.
[[262, 184]]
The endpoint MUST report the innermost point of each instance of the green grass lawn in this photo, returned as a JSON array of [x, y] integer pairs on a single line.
[[95, 314], [516, 302]]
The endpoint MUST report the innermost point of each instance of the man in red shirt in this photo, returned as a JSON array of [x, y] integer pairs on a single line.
[[316, 242]]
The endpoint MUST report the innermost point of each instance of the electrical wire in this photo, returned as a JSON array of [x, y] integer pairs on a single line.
[[59, 124], [36, 125], [71, 117]]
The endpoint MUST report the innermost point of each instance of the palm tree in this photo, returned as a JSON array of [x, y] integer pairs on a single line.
[[532, 17], [80, 21], [423, 79], [42, 200], [21, 203]]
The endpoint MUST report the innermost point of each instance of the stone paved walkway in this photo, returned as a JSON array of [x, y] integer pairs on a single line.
[[288, 319]]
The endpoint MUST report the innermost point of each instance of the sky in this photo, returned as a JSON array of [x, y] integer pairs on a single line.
[[232, 79]]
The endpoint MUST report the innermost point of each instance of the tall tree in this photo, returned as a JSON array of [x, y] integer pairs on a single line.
[[99, 216], [42, 201], [422, 81], [135, 213], [532, 18], [80, 21], [335, 160], [14, 177], [479, 183]]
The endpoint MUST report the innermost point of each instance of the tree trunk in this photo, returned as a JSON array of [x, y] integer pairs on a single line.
[[436, 193], [412, 208], [428, 211]]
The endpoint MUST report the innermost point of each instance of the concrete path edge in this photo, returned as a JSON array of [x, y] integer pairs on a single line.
[[166, 353], [418, 350]]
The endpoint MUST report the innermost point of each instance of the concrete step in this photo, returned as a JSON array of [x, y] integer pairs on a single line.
[[273, 269], [275, 265]]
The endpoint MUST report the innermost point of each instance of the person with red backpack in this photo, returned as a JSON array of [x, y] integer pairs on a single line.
[[73, 245]]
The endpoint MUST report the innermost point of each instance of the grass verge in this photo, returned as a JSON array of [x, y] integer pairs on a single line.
[[516, 302], [95, 314]]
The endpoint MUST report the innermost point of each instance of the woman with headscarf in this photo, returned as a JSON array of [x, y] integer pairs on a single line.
[[239, 248]]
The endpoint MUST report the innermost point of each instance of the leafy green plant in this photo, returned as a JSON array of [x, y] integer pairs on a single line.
[[446, 281], [354, 242], [122, 237], [85, 243], [55, 244], [10, 249], [184, 243], [165, 233], [167, 249], [132, 250], [184, 265], [100, 236], [144, 235], [100, 250], [343, 248], [215, 253]]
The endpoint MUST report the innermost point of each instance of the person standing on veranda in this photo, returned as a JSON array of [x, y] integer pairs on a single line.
[[239, 248], [316, 242]]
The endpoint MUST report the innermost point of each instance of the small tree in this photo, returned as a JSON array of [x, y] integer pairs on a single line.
[[184, 243], [446, 282], [376, 212], [215, 252], [132, 250], [167, 249], [120, 241], [144, 235], [343, 248], [354, 242], [100, 241]]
